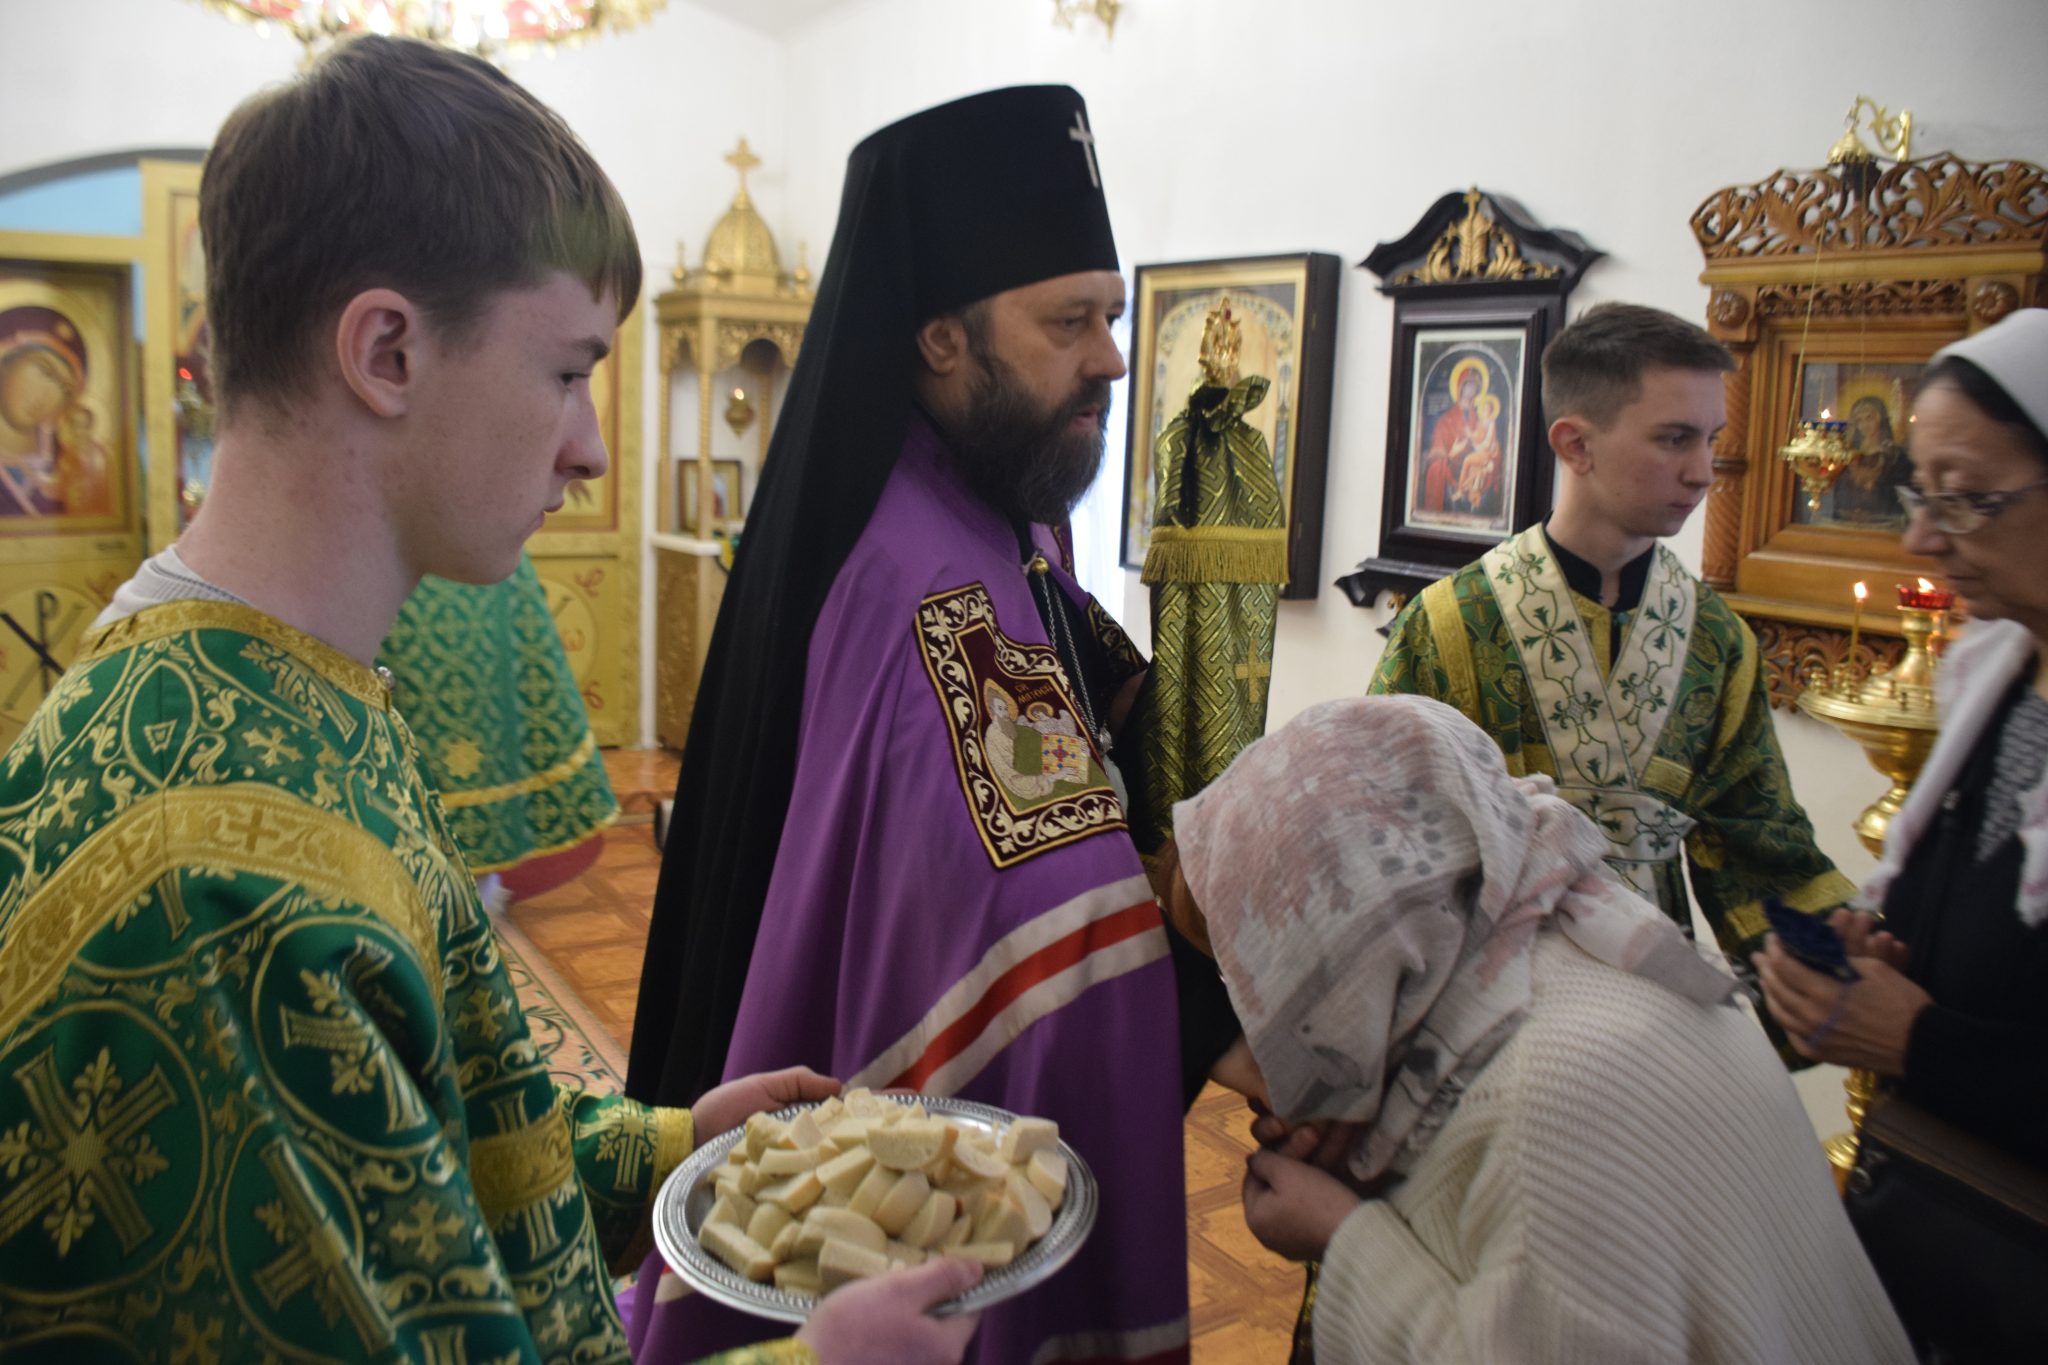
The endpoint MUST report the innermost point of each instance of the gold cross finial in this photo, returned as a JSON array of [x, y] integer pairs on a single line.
[[742, 159]]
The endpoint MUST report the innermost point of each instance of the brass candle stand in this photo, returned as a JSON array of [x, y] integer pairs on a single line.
[[1892, 716]]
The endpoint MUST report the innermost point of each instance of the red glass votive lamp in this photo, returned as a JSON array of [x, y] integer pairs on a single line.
[[1925, 597]]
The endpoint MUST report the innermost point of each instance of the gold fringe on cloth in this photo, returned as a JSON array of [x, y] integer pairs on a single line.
[[1216, 554]]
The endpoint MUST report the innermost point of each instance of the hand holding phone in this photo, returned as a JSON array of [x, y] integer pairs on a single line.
[[1810, 939]]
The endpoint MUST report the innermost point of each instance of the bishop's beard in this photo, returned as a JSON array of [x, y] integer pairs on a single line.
[[1028, 463]]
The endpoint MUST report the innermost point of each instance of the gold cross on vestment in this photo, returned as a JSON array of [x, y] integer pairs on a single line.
[[247, 825], [86, 1152], [1254, 671], [357, 1055], [319, 1254], [535, 1215], [627, 1141]]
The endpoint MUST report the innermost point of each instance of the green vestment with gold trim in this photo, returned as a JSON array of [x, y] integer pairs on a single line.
[[1715, 761], [1216, 563], [265, 1090], [479, 673]]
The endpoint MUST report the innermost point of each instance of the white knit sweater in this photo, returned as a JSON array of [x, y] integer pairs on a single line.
[[1631, 1179]]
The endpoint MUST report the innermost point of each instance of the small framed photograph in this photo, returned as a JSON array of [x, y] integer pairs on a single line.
[[728, 494], [1287, 308]]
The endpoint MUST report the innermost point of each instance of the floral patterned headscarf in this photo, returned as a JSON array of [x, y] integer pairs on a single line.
[[1373, 882]]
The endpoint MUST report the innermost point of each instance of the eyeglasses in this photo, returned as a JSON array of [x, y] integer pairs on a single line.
[[1958, 514]]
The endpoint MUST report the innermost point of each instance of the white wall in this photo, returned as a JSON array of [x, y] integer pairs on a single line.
[[1231, 128]]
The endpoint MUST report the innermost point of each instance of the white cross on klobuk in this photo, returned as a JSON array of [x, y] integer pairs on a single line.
[[1079, 133]]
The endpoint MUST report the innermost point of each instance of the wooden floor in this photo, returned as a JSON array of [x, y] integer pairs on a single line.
[[595, 929]]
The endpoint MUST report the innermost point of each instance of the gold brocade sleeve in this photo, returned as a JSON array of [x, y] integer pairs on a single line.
[[622, 1151], [1753, 840], [1412, 664]]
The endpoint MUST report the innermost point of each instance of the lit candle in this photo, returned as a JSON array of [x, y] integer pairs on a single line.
[[1926, 597], [739, 395], [1855, 627]]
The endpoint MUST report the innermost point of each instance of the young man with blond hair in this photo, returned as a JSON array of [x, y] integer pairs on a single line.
[[265, 1088], [1592, 656]]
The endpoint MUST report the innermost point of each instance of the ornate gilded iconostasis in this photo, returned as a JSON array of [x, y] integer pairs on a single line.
[[729, 333], [1833, 287], [74, 265], [107, 431]]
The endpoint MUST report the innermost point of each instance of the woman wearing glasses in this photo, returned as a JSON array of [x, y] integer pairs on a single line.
[[1951, 1008]]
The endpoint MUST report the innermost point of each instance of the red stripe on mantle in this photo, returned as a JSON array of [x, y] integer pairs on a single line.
[[1048, 962]]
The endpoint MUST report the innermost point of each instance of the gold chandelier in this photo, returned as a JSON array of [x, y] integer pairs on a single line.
[[1104, 12], [489, 28]]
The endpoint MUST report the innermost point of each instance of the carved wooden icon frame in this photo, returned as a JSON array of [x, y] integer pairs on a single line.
[[1832, 288], [1479, 290]]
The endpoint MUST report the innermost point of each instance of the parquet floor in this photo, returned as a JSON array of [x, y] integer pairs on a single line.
[[594, 931]]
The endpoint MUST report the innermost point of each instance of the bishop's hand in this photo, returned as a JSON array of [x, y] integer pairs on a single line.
[[726, 1107]]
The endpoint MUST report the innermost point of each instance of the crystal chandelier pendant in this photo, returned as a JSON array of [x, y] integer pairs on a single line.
[[485, 27]]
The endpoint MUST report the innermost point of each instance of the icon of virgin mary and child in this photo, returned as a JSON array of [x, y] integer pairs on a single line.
[[1461, 467], [51, 462]]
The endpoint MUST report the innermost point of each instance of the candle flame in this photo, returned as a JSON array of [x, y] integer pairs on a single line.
[[1926, 586], [1861, 592], [1826, 416]]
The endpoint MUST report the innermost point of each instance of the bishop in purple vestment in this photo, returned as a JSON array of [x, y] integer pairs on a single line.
[[900, 852]]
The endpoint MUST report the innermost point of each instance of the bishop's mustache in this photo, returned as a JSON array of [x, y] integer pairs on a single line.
[[1095, 395]]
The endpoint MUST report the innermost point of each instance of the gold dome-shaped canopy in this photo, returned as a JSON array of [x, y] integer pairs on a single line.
[[741, 256], [742, 245]]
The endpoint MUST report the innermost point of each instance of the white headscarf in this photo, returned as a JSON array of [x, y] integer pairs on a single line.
[[2014, 352], [1373, 882]]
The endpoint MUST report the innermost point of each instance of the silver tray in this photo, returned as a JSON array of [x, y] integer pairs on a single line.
[[686, 1197]]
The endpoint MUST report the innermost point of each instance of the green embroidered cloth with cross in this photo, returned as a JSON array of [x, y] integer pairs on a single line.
[[266, 1091]]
